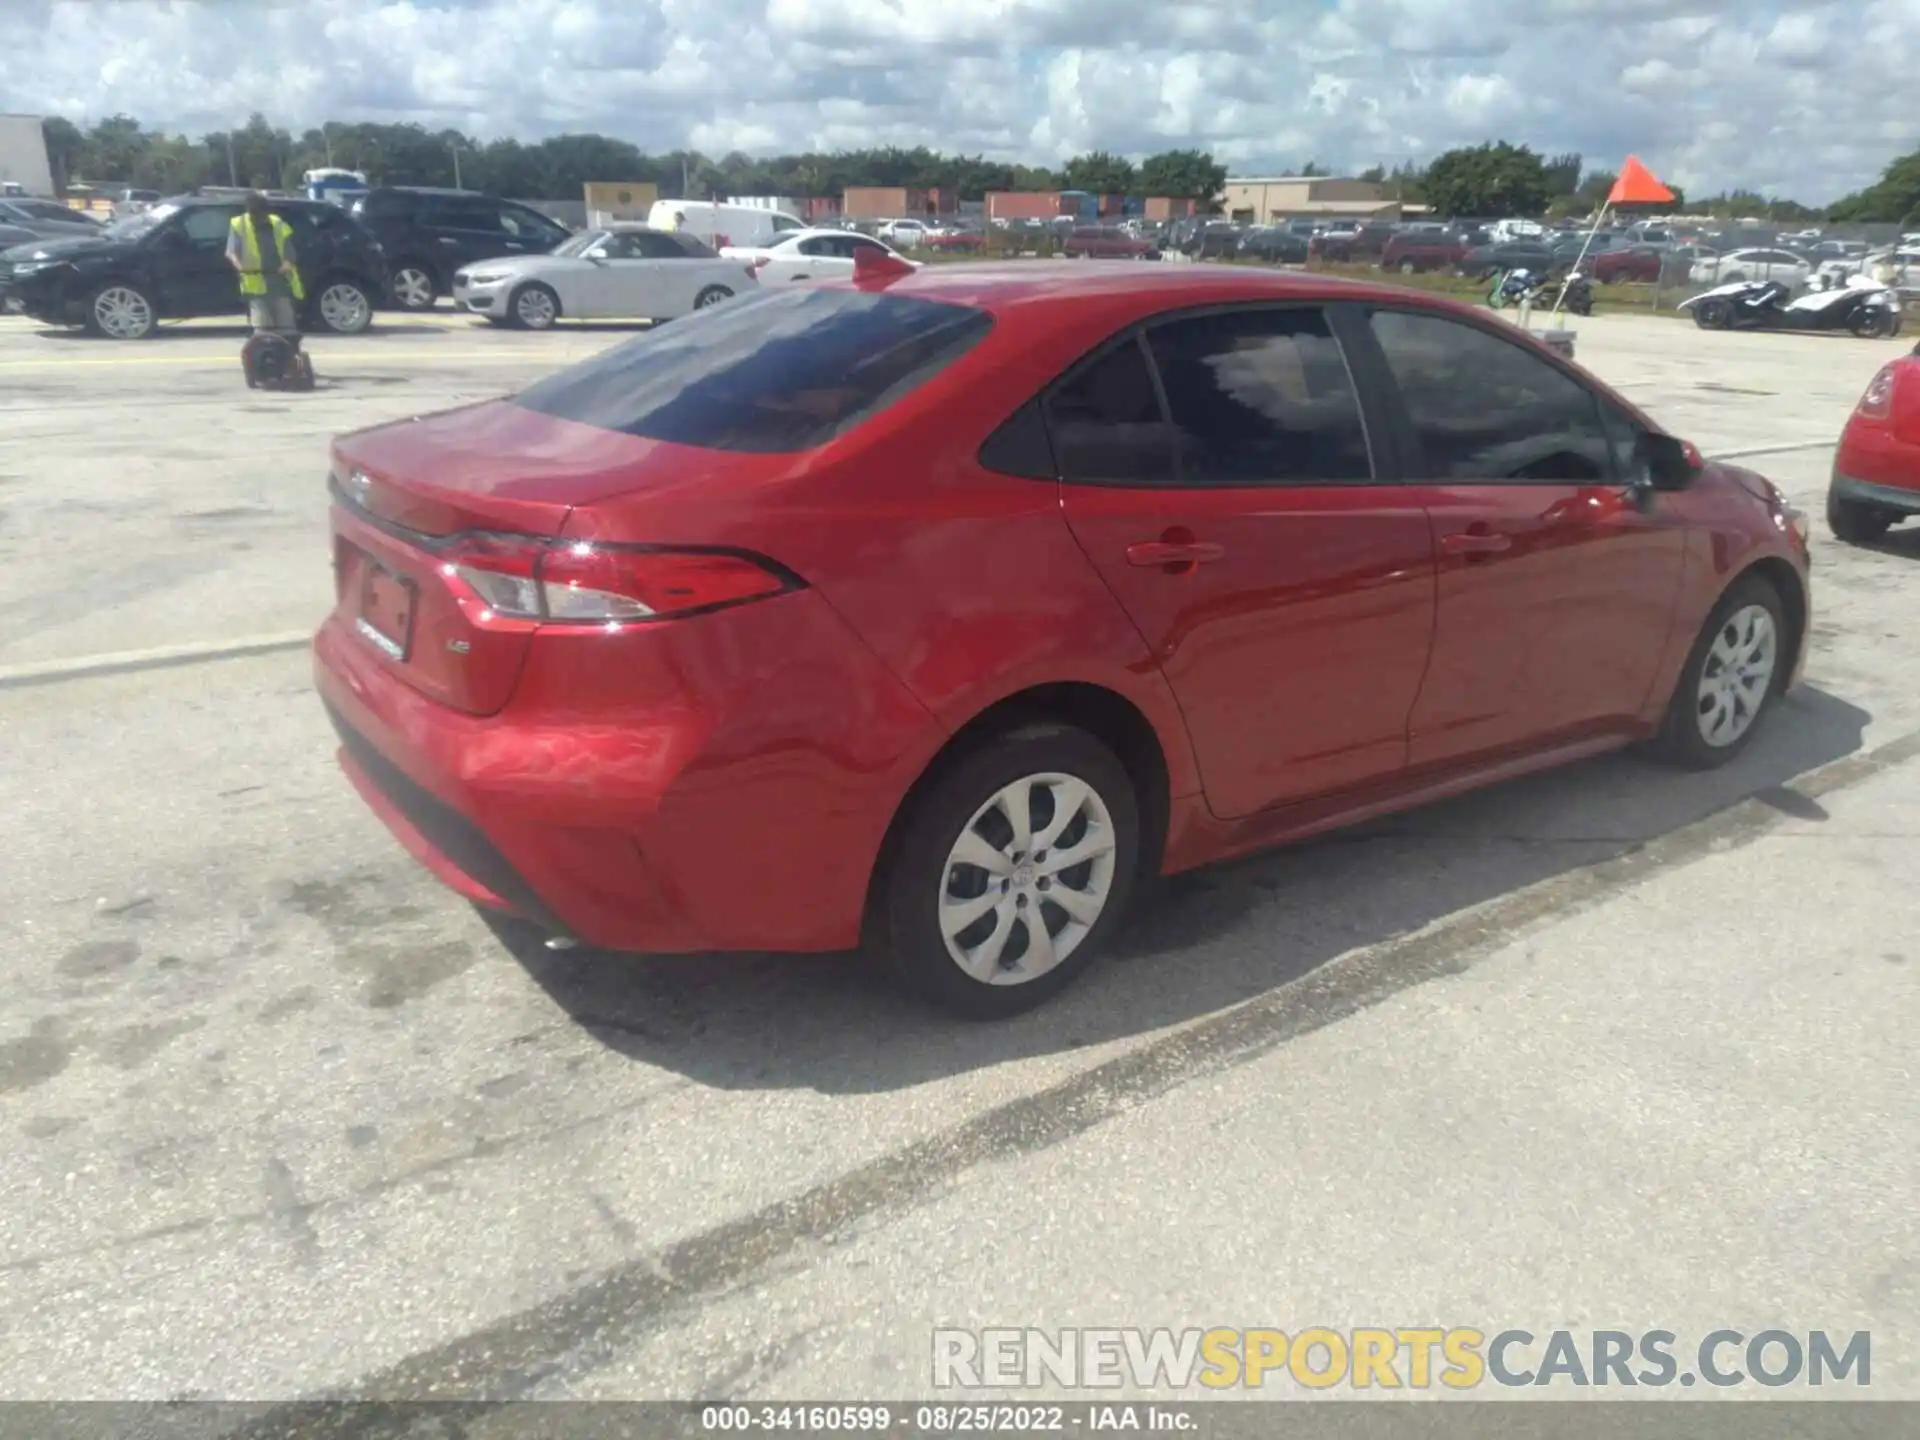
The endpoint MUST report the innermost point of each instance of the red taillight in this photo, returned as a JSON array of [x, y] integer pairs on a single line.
[[575, 583], [1877, 402]]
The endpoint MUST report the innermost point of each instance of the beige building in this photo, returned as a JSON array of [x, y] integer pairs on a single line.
[[612, 201], [1289, 196]]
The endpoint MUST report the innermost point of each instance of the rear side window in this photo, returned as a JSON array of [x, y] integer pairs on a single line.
[[1485, 409], [776, 373], [1107, 423], [1261, 397]]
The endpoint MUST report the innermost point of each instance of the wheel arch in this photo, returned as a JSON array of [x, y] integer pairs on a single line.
[[1106, 714], [1794, 602], [534, 282]]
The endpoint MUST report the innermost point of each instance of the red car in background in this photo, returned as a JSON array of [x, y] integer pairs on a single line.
[[1419, 252], [1876, 471], [955, 242], [937, 608], [1106, 242], [1635, 262]]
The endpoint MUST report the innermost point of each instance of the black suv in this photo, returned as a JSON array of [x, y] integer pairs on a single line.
[[170, 263], [430, 234]]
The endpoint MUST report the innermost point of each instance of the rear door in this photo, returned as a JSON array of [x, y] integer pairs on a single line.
[[467, 229], [1556, 588], [1218, 474]]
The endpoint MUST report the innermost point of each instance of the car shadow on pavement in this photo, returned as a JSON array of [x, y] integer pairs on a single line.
[[1199, 941]]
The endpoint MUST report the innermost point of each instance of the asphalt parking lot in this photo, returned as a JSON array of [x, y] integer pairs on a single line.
[[1614, 1046]]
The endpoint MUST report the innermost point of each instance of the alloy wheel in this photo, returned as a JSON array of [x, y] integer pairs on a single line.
[[122, 313], [1737, 676], [534, 308], [345, 309], [1027, 879], [712, 295], [413, 288]]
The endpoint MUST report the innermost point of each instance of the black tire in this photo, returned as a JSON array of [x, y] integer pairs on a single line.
[[1855, 522], [1682, 741], [113, 311], [341, 306], [405, 287], [1871, 322], [1713, 314], [915, 876], [533, 306], [712, 295]]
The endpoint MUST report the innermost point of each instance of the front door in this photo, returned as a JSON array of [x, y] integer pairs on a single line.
[[1556, 587], [1219, 476], [191, 273]]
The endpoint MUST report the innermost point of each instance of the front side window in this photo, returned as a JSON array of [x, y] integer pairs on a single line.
[[780, 372], [1484, 409], [1261, 397], [477, 215]]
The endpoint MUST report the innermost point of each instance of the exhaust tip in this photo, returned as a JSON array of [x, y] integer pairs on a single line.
[[561, 942]]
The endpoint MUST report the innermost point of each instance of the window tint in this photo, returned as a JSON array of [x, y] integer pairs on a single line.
[[1020, 446], [208, 225], [693, 246], [1486, 409], [530, 225], [1260, 397], [451, 214], [781, 222], [642, 246], [1107, 425], [774, 373], [816, 246]]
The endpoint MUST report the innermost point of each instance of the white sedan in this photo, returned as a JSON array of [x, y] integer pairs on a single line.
[[1782, 265], [616, 272], [803, 255]]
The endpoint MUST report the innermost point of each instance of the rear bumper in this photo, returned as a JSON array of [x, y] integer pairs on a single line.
[[1875, 465], [670, 797], [1866, 492]]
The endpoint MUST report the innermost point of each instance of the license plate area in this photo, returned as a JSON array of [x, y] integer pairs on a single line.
[[387, 605]]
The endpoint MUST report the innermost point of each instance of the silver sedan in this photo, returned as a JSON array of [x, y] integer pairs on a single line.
[[616, 272]]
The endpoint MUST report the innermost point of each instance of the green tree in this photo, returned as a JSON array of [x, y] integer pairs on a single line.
[[1493, 179], [1182, 175], [1100, 174], [1893, 199], [66, 144], [1563, 174]]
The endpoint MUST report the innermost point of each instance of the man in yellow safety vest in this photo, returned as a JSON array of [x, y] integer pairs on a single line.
[[260, 247]]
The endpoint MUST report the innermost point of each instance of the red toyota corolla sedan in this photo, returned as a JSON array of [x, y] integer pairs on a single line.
[[933, 610], [1876, 471]]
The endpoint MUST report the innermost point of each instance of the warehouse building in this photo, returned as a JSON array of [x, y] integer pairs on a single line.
[[23, 155], [896, 202], [1291, 197]]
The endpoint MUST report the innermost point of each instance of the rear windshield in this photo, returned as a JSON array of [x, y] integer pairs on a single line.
[[773, 373]]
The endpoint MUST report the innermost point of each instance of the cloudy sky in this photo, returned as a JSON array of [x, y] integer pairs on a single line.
[[1783, 96]]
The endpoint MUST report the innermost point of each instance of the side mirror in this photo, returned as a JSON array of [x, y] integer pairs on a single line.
[[597, 255], [1670, 464]]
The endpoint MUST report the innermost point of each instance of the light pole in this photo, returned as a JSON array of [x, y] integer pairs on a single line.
[[454, 148]]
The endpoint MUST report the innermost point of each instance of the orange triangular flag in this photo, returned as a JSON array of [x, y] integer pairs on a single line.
[[1636, 186]]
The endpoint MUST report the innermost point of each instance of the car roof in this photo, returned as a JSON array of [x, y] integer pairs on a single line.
[[1011, 284]]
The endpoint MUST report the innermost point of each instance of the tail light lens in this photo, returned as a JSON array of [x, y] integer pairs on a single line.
[[565, 583], [1877, 402]]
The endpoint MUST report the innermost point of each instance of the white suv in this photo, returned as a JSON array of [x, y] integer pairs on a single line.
[[907, 233]]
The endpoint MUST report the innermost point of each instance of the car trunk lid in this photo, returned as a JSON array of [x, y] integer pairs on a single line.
[[410, 497]]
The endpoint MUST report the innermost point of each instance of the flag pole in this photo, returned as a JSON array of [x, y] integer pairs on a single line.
[[1560, 302]]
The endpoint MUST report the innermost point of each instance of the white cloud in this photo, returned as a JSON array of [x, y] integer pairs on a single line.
[[1806, 97]]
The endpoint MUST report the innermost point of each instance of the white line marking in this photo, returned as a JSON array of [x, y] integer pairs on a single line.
[[1775, 449], [160, 655]]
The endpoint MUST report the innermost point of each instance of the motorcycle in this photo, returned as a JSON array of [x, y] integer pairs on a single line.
[[1529, 287], [1858, 304]]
